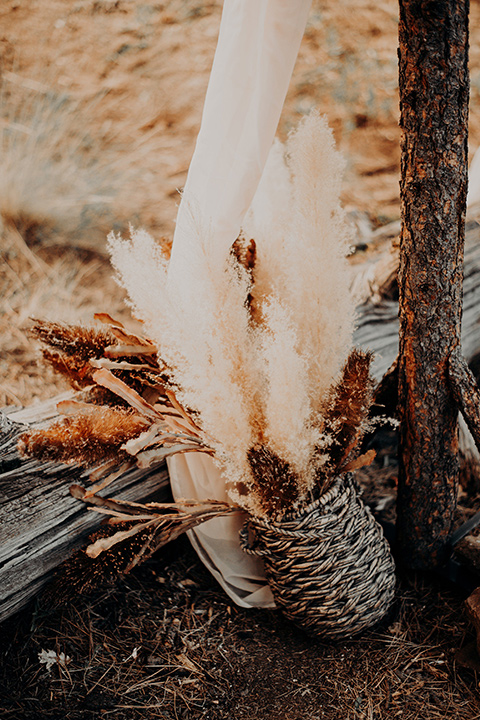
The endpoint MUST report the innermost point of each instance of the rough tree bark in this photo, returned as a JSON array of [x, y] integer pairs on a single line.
[[433, 78]]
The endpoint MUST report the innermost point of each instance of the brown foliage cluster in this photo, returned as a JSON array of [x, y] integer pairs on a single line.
[[347, 411], [70, 347], [129, 399], [78, 341], [78, 372], [276, 484], [88, 437], [125, 397]]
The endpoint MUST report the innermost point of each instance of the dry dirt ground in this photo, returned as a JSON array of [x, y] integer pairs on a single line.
[[100, 106]]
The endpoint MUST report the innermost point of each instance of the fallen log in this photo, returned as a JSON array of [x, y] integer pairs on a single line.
[[41, 524], [377, 322]]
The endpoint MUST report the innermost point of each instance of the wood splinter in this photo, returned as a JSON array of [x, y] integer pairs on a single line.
[[465, 392]]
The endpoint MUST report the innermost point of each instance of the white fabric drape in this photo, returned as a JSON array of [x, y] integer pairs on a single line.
[[257, 47], [194, 475]]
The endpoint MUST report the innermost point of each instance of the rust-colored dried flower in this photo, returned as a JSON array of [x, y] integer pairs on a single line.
[[276, 485], [88, 437], [347, 410], [78, 340]]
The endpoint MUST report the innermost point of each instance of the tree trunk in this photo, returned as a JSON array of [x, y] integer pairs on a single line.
[[433, 78]]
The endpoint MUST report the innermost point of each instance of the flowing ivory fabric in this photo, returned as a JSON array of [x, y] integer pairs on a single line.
[[257, 47]]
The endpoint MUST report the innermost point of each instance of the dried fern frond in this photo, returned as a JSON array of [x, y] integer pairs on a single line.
[[346, 413], [88, 437], [163, 522], [82, 342]]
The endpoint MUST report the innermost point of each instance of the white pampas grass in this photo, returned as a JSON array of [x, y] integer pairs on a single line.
[[206, 343], [302, 243], [268, 219], [288, 431], [259, 380], [316, 244]]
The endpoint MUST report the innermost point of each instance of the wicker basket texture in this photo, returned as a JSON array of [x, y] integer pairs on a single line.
[[329, 566]]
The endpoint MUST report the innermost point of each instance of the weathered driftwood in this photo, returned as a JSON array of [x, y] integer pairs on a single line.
[[377, 324], [40, 523]]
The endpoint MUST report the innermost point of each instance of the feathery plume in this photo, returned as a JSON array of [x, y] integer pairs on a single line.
[[78, 372], [346, 412], [275, 483], [82, 342], [88, 437], [315, 282]]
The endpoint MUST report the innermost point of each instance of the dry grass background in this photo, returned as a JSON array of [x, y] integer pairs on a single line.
[[100, 105]]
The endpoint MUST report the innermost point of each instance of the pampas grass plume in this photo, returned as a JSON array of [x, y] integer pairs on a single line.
[[256, 342], [317, 275], [88, 437], [206, 341]]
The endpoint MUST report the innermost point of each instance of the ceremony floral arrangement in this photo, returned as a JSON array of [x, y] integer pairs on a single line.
[[253, 364]]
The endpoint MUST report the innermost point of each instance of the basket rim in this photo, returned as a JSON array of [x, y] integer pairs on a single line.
[[343, 483]]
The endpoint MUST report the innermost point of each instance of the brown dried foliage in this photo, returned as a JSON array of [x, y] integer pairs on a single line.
[[276, 484], [82, 342], [98, 395], [88, 437], [76, 345], [144, 382], [245, 254], [97, 434], [78, 372], [81, 573], [346, 412]]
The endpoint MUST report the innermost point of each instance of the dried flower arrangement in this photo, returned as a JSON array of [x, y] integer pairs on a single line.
[[249, 361]]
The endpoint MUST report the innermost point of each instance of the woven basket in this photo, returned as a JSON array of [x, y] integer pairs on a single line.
[[329, 566]]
